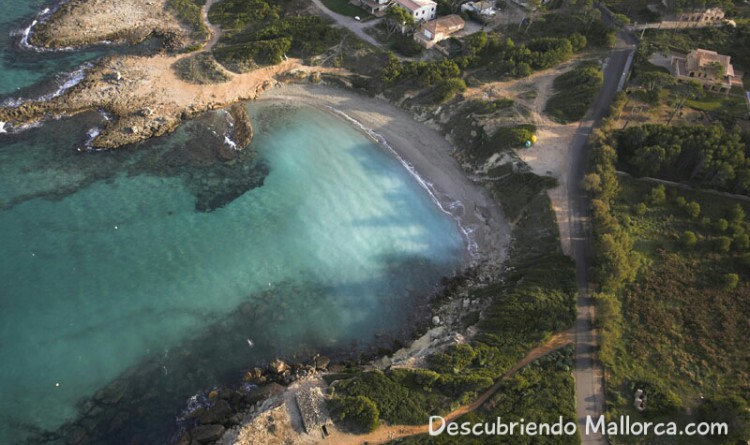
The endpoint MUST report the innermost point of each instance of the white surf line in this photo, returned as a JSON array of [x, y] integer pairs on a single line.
[[471, 243], [2, 127], [67, 82], [228, 136], [41, 17]]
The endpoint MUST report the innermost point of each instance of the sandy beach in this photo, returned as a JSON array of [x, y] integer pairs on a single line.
[[427, 153]]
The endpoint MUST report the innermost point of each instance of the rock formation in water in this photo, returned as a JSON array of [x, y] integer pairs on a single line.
[[243, 128]]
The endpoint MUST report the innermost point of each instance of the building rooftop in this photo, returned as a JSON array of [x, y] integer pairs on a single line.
[[699, 58], [413, 5], [447, 24]]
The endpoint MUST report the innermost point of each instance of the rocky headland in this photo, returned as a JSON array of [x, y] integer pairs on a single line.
[[87, 22], [143, 96]]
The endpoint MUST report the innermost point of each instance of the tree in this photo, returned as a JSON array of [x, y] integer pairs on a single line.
[[655, 80], [641, 209], [688, 239], [592, 183], [398, 19], [359, 412], [658, 194], [723, 244], [738, 213], [722, 225], [693, 209], [392, 69], [715, 70], [730, 281], [578, 41], [741, 241]]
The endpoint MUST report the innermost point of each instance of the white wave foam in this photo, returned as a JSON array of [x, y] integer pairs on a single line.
[[25, 33], [65, 83], [26, 127], [468, 232], [230, 143], [2, 127]]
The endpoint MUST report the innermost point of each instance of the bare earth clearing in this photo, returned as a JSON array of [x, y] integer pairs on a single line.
[[551, 153]]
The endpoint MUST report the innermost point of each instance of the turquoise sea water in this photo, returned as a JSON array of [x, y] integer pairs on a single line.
[[113, 281]]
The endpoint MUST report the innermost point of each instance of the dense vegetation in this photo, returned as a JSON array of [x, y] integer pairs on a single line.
[[575, 91], [189, 11], [543, 391], [581, 20], [504, 58], [673, 303], [706, 156], [260, 32]]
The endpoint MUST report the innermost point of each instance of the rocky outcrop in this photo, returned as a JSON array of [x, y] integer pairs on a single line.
[[80, 23], [207, 433], [243, 128]]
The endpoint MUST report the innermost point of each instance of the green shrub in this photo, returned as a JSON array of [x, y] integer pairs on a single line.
[[730, 281], [575, 91], [688, 239], [453, 360], [693, 209], [723, 244], [358, 413], [447, 88], [641, 209], [658, 195]]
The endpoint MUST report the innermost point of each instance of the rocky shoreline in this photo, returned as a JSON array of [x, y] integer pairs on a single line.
[[121, 87], [79, 23]]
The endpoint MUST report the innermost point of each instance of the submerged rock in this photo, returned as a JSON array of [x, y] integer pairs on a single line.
[[207, 433]]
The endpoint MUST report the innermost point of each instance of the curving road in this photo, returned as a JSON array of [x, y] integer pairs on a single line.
[[349, 23]]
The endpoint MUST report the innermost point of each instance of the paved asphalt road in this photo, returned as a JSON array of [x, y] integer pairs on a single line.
[[354, 26], [588, 371]]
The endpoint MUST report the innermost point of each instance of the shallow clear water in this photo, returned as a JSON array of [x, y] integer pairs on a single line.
[[110, 274]]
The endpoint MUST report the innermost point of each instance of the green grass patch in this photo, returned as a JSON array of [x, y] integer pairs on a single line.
[[575, 91]]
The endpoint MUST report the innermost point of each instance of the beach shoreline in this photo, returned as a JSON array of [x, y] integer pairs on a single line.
[[425, 153]]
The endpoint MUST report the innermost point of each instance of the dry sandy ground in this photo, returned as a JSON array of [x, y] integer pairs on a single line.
[[550, 155], [427, 152], [99, 20]]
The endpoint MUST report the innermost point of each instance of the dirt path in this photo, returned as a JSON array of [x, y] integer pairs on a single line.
[[551, 154], [214, 30], [387, 433]]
